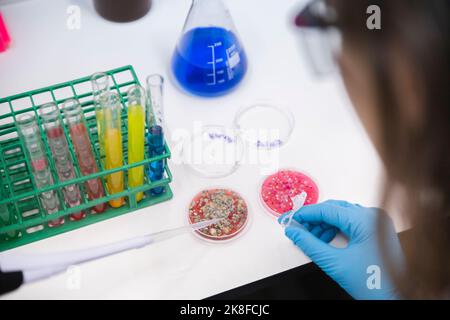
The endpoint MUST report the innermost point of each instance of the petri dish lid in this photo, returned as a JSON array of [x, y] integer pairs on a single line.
[[213, 152], [264, 126]]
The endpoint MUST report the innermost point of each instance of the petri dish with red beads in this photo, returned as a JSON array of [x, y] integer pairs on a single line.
[[219, 203], [278, 189]]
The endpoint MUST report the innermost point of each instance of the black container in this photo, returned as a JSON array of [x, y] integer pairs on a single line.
[[122, 10]]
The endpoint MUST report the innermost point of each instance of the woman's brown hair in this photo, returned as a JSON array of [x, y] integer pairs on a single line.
[[416, 155]]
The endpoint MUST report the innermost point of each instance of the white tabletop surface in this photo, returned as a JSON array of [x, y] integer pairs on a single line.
[[328, 143]]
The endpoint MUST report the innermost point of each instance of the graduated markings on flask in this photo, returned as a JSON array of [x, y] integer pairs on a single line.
[[213, 64], [232, 61]]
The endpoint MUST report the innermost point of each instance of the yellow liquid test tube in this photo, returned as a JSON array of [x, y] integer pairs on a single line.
[[113, 147], [100, 129], [100, 89], [136, 136]]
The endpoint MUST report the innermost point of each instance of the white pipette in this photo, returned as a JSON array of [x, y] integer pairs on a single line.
[[40, 266]]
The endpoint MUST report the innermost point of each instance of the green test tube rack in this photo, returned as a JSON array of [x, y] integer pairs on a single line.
[[22, 218]]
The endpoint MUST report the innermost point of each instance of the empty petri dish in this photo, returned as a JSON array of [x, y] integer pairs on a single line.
[[219, 203], [278, 189], [214, 152], [264, 126]]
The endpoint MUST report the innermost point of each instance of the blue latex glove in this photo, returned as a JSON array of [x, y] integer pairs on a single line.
[[359, 267]]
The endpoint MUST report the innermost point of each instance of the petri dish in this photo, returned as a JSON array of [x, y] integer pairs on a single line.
[[264, 126], [279, 188], [214, 152], [216, 203]]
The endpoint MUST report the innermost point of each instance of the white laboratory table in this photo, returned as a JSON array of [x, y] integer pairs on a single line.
[[328, 142]]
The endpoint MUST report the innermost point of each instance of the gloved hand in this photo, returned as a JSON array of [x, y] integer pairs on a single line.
[[359, 267]]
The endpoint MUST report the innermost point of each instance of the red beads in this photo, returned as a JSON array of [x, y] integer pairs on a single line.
[[278, 189]]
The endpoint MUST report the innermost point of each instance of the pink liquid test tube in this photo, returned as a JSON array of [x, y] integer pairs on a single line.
[[61, 156], [83, 150]]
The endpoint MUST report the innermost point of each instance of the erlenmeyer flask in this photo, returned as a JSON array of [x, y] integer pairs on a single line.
[[209, 59]]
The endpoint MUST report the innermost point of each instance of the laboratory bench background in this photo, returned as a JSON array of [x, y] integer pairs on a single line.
[[328, 143]]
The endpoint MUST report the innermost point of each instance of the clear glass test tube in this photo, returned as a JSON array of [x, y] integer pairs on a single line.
[[155, 122], [113, 147], [83, 150], [61, 156], [31, 137], [100, 89], [136, 136]]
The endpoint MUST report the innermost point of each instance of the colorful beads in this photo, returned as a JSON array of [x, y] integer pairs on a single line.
[[218, 203]]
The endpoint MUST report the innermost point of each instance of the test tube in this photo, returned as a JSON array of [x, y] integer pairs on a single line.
[[136, 136], [60, 152], [113, 147], [155, 121], [83, 150], [100, 88], [31, 137]]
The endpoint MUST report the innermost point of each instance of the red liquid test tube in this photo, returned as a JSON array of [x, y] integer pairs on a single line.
[[83, 150]]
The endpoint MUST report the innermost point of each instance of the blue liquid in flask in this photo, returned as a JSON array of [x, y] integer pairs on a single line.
[[209, 61]]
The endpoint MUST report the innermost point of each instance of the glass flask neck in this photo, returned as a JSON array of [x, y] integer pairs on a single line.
[[207, 13]]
